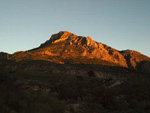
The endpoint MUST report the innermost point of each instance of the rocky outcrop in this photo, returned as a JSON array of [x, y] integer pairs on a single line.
[[49, 53], [134, 58]]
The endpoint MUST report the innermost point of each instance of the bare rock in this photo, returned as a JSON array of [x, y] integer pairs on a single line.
[[133, 58], [89, 40]]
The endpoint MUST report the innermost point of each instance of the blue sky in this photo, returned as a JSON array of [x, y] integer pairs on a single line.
[[121, 24]]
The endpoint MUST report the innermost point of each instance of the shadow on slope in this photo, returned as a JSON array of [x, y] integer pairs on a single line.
[[44, 87]]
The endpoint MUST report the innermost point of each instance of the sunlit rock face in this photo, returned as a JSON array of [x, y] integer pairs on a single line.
[[134, 58], [68, 46], [85, 47]]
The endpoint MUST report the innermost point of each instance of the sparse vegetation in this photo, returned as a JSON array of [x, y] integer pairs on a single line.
[[44, 87]]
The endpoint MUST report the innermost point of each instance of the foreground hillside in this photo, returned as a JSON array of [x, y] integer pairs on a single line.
[[44, 87]]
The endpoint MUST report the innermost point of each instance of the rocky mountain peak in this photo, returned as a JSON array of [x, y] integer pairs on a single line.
[[61, 36], [66, 46], [71, 38]]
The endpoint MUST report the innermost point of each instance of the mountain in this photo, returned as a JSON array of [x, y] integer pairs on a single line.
[[95, 78], [66, 47]]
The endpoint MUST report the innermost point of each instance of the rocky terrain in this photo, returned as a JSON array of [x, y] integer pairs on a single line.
[[66, 47]]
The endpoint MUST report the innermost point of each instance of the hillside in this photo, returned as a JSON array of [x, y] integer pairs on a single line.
[[74, 74], [37, 86]]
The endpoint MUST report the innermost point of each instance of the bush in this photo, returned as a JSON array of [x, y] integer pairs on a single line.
[[14, 99]]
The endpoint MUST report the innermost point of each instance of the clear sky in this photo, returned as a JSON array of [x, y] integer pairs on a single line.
[[121, 24]]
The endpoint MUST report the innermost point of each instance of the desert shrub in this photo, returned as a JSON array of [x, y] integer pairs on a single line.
[[137, 88], [92, 108], [69, 91], [135, 95], [14, 99], [43, 102], [105, 97], [91, 73]]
